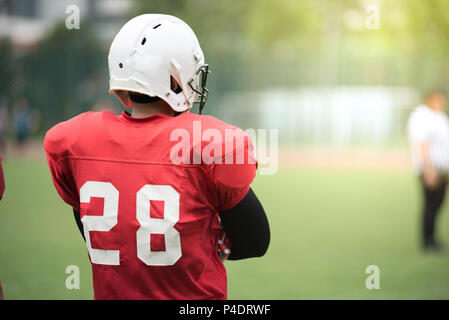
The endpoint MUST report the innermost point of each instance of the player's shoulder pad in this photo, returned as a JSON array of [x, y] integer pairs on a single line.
[[229, 134], [63, 135], [210, 123], [233, 144]]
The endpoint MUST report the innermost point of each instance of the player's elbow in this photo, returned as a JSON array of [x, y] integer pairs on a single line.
[[254, 246], [260, 246], [260, 242], [247, 227], [263, 246]]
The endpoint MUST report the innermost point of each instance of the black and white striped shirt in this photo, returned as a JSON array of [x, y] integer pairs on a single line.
[[427, 125]]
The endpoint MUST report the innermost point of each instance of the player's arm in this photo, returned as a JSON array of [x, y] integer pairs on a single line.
[[418, 131], [429, 172], [246, 226], [242, 216], [56, 145]]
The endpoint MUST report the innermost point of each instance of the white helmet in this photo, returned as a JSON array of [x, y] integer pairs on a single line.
[[149, 50]]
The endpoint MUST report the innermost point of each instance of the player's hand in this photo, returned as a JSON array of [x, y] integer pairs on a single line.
[[431, 178], [224, 246]]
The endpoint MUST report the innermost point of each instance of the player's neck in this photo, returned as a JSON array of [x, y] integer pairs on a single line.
[[141, 110]]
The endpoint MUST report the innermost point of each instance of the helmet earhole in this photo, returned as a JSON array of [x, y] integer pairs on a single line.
[[174, 85], [120, 65]]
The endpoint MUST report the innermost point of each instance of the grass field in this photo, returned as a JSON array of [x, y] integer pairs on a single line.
[[327, 224]]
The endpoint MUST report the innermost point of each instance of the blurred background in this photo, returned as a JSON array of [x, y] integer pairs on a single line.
[[336, 78]]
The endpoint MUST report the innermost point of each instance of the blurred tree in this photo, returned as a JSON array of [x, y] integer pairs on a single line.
[[6, 70], [64, 61], [250, 45]]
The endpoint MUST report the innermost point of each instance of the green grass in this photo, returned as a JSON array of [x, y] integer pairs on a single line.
[[327, 226]]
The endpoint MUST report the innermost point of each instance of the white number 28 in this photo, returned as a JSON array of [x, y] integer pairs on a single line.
[[148, 225]]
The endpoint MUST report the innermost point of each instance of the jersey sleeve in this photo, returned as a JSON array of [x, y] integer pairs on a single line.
[[233, 176], [2, 180], [56, 144]]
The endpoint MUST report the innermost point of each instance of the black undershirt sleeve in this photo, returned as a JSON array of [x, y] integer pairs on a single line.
[[246, 226], [79, 223]]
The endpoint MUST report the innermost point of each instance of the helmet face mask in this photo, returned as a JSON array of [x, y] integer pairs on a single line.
[[148, 52], [201, 89]]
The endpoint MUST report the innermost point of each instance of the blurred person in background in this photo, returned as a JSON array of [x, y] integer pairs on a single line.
[[428, 132], [24, 121], [3, 128]]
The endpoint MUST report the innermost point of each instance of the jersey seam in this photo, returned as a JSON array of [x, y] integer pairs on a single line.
[[128, 161]]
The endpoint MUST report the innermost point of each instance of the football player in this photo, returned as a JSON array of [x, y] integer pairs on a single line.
[[156, 191]]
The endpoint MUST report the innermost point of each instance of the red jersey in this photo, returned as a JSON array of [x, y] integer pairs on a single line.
[[149, 197]]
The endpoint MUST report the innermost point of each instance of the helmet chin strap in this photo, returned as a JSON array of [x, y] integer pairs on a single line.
[[203, 93]]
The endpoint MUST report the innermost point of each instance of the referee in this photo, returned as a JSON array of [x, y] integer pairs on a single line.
[[428, 132]]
